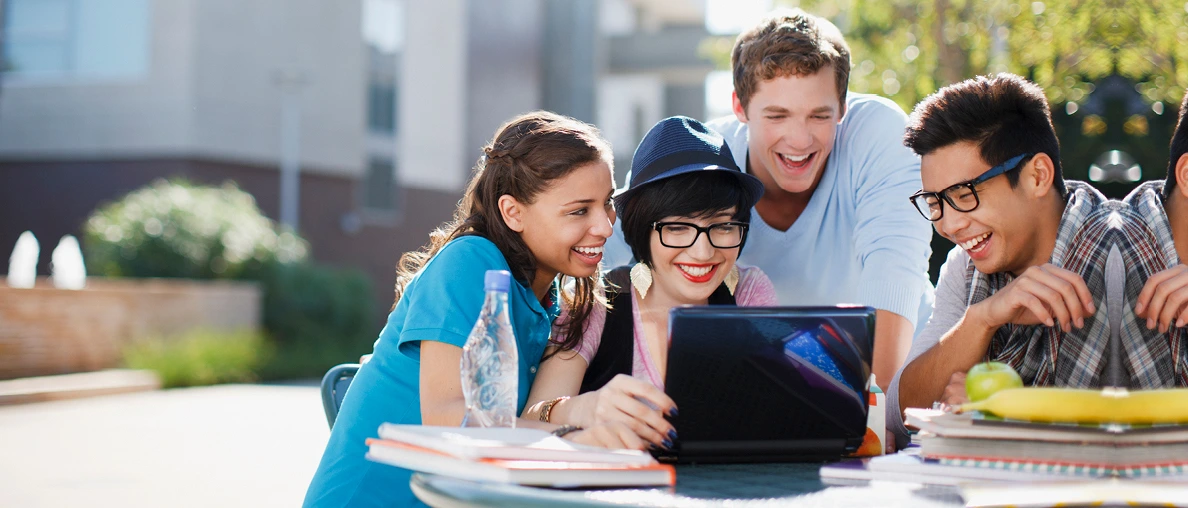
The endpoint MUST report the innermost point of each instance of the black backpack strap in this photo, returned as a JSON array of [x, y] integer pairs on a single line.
[[616, 351], [721, 296]]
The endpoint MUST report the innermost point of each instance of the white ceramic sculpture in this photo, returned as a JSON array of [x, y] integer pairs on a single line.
[[67, 269], [22, 265]]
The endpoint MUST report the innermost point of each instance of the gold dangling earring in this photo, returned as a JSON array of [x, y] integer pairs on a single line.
[[731, 280], [641, 278]]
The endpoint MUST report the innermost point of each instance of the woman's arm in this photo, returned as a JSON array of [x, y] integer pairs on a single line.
[[624, 400], [442, 402], [558, 376]]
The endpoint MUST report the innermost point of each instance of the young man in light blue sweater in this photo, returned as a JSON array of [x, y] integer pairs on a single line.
[[834, 224]]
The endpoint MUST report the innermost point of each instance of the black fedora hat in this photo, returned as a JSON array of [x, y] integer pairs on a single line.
[[678, 145]]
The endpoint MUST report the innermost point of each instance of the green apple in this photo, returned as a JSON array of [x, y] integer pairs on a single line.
[[986, 378]]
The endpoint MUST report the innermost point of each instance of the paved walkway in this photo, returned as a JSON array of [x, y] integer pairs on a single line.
[[231, 445]]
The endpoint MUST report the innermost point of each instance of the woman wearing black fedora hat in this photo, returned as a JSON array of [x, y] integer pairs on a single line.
[[685, 215]]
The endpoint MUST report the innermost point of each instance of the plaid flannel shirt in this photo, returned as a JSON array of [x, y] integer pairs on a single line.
[[1090, 227], [1044, 355], [1152, 359]]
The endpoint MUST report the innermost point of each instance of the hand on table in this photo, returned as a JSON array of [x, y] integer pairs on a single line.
[[630, 402], [613, 435], [1164, 299], [1044, 294]]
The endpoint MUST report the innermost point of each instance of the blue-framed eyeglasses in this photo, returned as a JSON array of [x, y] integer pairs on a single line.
[[963, 196]]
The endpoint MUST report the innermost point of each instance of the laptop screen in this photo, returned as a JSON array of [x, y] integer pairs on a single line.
[[756, 382]]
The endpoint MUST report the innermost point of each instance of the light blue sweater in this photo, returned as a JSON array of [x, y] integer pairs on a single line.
[[859, 240]]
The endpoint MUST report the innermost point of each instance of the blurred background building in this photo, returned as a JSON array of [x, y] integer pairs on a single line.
[[380, 106]]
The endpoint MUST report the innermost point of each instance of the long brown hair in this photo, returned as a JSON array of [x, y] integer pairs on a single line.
[[527, 154]]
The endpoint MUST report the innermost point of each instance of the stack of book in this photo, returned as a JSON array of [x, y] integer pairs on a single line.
[[956, 449], [978, 441], [515, 456], [997, 462]]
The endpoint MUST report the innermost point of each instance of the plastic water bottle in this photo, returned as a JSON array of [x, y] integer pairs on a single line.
[[490, 370]]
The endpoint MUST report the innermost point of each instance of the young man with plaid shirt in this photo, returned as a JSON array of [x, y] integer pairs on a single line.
[[1026, 280], [1162, 303]]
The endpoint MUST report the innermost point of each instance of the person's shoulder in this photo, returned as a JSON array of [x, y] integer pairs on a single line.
[[746, 272], [754, 287], [725, 124], [752, 275], [1084, 204], [735, 134], [957, 255], [952, 283], [862, 109], [467, 254], [732, 130], [871, 102], [470, 245], [1150, 191], [955, 262]]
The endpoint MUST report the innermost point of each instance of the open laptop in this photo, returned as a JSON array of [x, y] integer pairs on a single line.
[[758, 384]]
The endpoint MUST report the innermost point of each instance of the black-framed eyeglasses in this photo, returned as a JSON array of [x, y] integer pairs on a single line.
[[723, 235], [963, 196]]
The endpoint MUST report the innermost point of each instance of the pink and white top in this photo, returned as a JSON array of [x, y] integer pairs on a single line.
[[754, 289]]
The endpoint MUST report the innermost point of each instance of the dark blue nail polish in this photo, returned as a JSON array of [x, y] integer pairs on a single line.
[[673, 411], [672, 434], [667, 444]]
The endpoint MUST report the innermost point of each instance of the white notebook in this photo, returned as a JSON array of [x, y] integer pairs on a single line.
[[506, 443]]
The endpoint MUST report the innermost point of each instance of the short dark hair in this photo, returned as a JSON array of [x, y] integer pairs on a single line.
[[697, 194], [1179, 146], [1004, 114]]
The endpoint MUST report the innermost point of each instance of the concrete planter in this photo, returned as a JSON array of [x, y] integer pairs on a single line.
[[44, 330]]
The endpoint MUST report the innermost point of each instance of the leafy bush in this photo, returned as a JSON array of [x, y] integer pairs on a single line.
[[315, 316], [201, 357], [177, 229]]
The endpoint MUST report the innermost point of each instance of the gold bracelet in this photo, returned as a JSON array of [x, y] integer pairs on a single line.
[[546, 411]]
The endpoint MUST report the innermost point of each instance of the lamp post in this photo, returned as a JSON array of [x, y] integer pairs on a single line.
[[290, 84]]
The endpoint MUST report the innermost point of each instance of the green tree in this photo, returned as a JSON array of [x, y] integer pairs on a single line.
[[907, 49]]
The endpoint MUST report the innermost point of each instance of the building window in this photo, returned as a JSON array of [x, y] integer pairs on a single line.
[[76, 38], [381, 108], [379, 185], [383, 34]]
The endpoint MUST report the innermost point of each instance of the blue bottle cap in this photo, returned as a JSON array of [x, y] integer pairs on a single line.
[[497, 280]]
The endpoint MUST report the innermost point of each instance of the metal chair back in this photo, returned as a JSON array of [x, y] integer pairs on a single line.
[[334, 388]]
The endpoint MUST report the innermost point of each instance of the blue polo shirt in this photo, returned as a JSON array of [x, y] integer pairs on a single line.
[[441, 303]]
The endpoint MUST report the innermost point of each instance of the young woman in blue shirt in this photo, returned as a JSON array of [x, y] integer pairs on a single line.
[[539, 205]]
